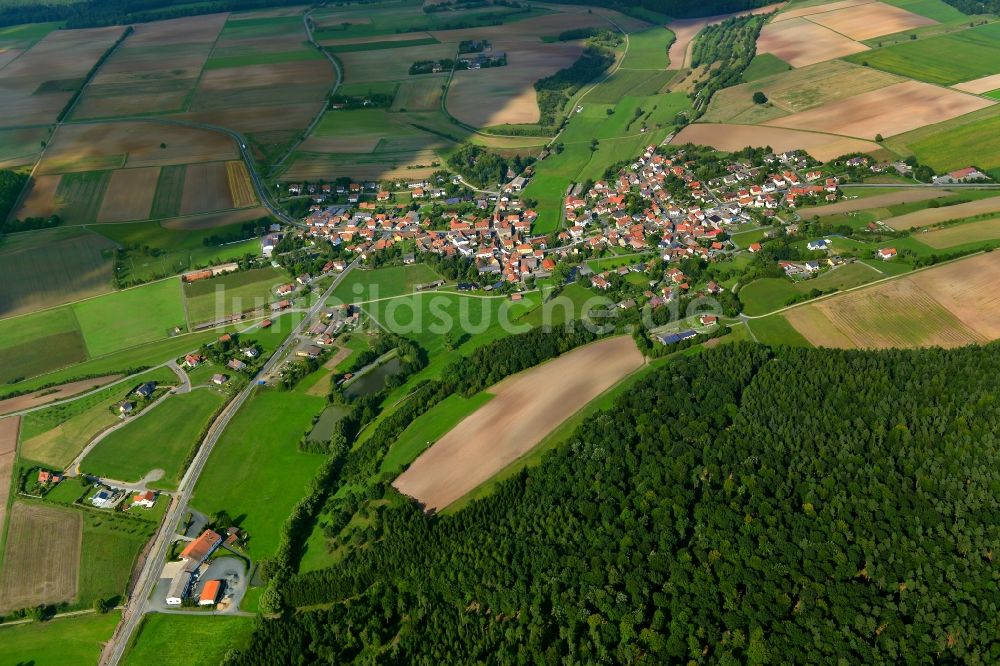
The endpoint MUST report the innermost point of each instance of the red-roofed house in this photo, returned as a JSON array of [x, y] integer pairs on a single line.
[[210, 593]]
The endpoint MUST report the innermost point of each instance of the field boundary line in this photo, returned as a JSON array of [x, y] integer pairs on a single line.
[[189, 98]]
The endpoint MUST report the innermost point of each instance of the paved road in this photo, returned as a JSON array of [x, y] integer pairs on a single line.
[[150, 572]]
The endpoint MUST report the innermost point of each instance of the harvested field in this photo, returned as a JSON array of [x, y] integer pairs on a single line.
[[80, 195], [870, 20], [206, 188], [52, 267], [41, 198], [889, 111], [187, 30], [257, 118], [240, 187], [42, 557], [506, 95], [686, 29], [294, 74], [878, 201], [406, 166], [736, 137], [795, 90], [139, 141], [369, 66], [526, 408], [800, 42], [340, 144], [931, 216], [169, 190], [797, 12], [214, 220], [948, 306], [961, 234], [420, 95], [980, 86], [130, 195], [9, 429], [45, 396]]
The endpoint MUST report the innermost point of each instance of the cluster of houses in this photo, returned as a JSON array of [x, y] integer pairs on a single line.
[[193, 558]]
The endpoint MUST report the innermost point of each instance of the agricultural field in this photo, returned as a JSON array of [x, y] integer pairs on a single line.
[[686, 30], [129, 194], [361, 285], [949, 145], [131, 317], [46, 396], [736, 137], [20, 147], [168, 193], [9, 430], [111, 546], [800, 42], [947, 306], [763, 66], [160, 634], [30, 96], [987, 84], [769, 294], [240, 187], [515, 420], [213, 299], [256, 469], [889, 111], [161, 439], [76, 640], [961, 234], [37, 343], [48, 268], [875, 198], [42, 556], [931, 216], [944, 59], [775, 330], [206, 188], [79, 196]]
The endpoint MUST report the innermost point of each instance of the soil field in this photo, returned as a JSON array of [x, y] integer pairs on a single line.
[[51, 268], [960, 234], [9, 429], [191, 29], [506, 95], [140, 142], [42, 557], [213, 220], [526, 407], [403, 166], [30, 96], [130, 195], [240, 188], [798, 11], [980, 86], [45, 396], [945, 306], [800, 42], [735, 137], [870, 20], [206, 188], [252, 119], [41, 198], [79, 196], [932, 216], [686, 29], [423, 95], [888, 111], [169, 190], [877, 201]]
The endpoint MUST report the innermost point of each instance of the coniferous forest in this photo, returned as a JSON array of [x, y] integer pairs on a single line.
[[744, 505]]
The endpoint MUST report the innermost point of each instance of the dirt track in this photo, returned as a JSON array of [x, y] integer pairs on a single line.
[[527, 407]]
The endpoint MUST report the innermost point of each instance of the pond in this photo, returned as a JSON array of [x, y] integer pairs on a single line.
[[373, 379], [323, 429]]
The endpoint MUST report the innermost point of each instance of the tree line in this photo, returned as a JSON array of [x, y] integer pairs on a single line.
[[745, 505]]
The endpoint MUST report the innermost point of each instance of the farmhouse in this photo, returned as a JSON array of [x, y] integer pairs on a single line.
[[193, 360], [886, 253], [210, 593], [146, 390], [192, 556], [966, 175], [145, 499]]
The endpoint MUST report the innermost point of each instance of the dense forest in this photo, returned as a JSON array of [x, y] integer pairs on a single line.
[[676, 8], [484, 168], [976, 6], [726, 49], [11, 184], [744, 505], [554, 91]]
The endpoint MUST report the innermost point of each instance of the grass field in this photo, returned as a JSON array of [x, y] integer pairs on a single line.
[[769, 294], [949, 146], [362, 286], [932, 9], [775, 330], [162, 634], [256, 472], [38, 343], [56, 434], [764, 64], [131, 317], [161, 439], [945, 60], [957, 235], [210, 300], [111, 545], [71, 640]]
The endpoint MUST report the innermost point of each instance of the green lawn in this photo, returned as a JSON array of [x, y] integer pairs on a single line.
[[71, 640], [775, 330], [572, 303], [111, 545], [770, 294], [212, 636], [945, 59], [161, 439], [764, 64], [361, 285], [240, 292], [132, 317], [256, 470]]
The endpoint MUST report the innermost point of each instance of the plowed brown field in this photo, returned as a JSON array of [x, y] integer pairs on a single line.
[[42, 559]]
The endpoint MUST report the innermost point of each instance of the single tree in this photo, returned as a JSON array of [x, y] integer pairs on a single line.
[[759, 98]]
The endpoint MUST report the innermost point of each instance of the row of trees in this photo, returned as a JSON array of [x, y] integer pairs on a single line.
[[744, 505], [727, 49]]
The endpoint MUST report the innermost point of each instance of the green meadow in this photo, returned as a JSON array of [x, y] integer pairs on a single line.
[[71, 640]]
